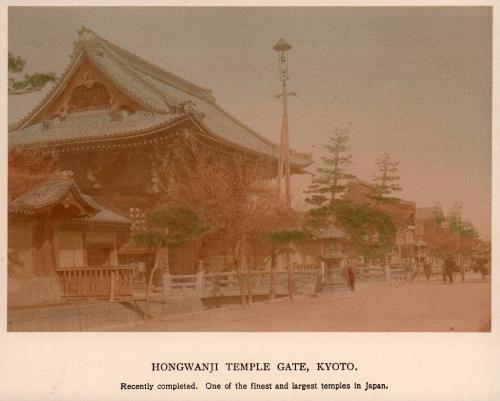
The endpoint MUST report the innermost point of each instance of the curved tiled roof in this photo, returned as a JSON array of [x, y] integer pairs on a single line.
[[47, 193], [161, 94], [90, 125], [55, 189]]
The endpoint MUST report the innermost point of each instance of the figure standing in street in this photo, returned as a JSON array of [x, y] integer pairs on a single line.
[[427, 269], [351, 275], [449, 268], [414, 270]]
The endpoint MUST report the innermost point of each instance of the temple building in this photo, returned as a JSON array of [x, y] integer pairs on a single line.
[[119, 123], [54, 227]]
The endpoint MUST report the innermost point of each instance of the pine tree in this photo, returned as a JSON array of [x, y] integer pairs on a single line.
[[327, 187], [387, 179], [30, 82], [168, 226]]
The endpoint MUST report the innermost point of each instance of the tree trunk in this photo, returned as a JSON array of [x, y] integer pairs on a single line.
[[156, 266], [291, 280], [163, 262], [274, 262], [250, 259], [237, 259]]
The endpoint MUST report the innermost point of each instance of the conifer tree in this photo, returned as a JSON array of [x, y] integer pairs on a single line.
[[387, 179], [30, 82], [168, 226], [330, 182]]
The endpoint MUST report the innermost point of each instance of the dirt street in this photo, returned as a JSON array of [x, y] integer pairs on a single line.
[[398, 306]]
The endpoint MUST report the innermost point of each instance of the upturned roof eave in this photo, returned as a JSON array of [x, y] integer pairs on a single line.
[[71, 189], [212, 135], [138, 135]]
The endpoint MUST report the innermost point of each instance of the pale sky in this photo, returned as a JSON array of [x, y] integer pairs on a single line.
[[413, 82]]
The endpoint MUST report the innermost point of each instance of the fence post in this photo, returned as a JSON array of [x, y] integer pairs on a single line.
[[199, 281], [199, 277], [112, 285], [167, 282], [322, 272], [318, 280], [387, 272]]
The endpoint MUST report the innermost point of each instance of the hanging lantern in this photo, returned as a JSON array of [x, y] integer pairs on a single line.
[[282, 47]]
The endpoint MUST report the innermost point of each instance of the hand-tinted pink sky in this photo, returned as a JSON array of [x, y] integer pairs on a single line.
[[413, 82]]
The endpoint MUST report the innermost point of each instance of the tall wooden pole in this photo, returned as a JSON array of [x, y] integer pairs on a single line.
[[284, 160], [285, 147]]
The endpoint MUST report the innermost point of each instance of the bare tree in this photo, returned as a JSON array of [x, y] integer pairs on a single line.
[[232, 195], [28, 168]]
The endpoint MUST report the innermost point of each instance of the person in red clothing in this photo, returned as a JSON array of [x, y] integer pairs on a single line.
[[351, 275]]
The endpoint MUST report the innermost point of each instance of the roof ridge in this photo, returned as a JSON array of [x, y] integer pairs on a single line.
[[130, 70], [242, 124], [157, 72], [160, 73]]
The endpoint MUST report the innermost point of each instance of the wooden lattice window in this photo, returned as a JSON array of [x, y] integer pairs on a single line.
[[84, 98]]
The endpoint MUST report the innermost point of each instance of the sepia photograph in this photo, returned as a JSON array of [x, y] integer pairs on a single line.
[[249, 169]]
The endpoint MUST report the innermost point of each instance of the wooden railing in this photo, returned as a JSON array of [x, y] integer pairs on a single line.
[[182, 283], [118, 281], [381, 273], [207, 285], [306, 267], [400, 273], [100, 282], [372, 273], [368, 273]]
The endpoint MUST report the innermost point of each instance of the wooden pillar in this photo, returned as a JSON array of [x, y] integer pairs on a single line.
[[114, 252], [199, 280], [113, 274], [43, 250], [84, 249], [56, 247]]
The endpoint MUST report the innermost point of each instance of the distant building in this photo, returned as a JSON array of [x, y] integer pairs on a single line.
[[401, 212], [429, 219]]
